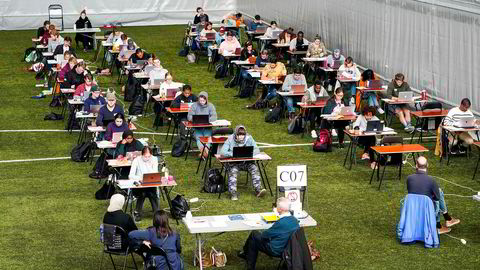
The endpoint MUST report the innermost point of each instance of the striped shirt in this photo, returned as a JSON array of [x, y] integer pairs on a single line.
[[454, 115]]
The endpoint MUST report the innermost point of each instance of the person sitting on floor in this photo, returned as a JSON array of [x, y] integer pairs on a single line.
[[333, 106], [200, 16], [146, 163], [118, 125], [423, 184], [116, 216], [454, 115], [85, 88], [202, 107], [368, 114], [160, 236], [240, 139], [397, 85], [296, 78], [108, 112], [272, 241], [313, 93], [94, 99]]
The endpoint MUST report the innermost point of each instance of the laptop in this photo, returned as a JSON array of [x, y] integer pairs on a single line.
[[261, 29], [298, 88], [95, 108], [210, 36], [276, 33], [405, 96], [322, 99], [116, 137], [157, 81], [374, 126], [148, 69], [243, 152], [172, 92], [151, 178], [200, 119], [375, 84], [238, 51], [133, 155], [465, 122], [141, 62], [347, 110], [336, 64]]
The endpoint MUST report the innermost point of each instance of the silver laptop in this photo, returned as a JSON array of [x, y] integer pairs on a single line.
[[347, 110], [157, 81], [465, 122], [405, 96], [276, 33], [148, 69]]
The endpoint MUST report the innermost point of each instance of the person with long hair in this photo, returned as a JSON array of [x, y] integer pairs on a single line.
[[160, 235], [333, 106]]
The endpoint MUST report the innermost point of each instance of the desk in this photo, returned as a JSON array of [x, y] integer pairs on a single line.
[[390, 150], [291, 94], [423, 117], [387, 102], [220, 224], [305, 108], [352, 147], [454, 131], [175, 114], [190, 128], [215, 141]]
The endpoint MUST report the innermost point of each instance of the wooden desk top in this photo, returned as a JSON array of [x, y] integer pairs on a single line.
[[261, 156], [430, 113], [318, 104], [214, 140], [189, 124], [399, 149], [368, 134], [160, 99], [297, 52], [281, 45], [290, 93], [177, 110]]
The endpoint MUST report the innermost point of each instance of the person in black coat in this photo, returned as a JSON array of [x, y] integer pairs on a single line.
[[116, 216], [85, 38], [333, 106], [66, 46], [200, 16], [185, 97], [41, 30], [75, 77]]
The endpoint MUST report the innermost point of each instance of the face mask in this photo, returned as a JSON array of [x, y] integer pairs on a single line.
[[83, 16], [146, 159], [240, 138], [202, 101]]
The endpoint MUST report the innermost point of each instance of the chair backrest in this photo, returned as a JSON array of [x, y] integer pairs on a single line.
[[293, 260], [392, 159], [432, 106], [114, 238], [390, 140], [155, 251]]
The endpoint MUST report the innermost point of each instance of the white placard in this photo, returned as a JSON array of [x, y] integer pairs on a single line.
[[292, 176]]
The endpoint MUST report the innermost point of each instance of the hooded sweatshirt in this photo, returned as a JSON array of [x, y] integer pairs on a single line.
[[232, 141], [198, 109]]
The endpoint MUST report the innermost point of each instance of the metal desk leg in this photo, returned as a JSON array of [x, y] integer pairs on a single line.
[[348, 151], [199, 246], [261, 167], [376, 166], [476, 167], [189, 144]]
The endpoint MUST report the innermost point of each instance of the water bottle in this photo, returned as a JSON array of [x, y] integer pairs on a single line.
[[74, 27], [101, 233]]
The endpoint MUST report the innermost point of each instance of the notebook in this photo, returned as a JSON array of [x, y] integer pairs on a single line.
[[298, 88], [152, 178], [270, 218], [243, 152], [238, 51], [200, 119]]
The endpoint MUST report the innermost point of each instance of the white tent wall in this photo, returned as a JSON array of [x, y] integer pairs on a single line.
[[30, 14], [435, 43]]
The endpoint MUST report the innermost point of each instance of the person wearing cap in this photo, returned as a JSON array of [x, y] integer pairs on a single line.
[[94, 99], [84, 88], [240, 138], [116, 216], [108, 112], [202, 107]]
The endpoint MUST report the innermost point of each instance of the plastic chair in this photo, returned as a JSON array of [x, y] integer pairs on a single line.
[[115, 242]]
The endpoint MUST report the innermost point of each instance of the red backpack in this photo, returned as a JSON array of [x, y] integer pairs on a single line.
[[323, 143]]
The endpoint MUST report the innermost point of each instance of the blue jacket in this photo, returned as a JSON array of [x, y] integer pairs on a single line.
[[227, 148], [171, 245], [279, 234], [418, 221], [104, 113]]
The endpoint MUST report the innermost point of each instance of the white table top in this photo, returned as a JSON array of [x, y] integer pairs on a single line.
[[96, 129], [141, 75], [290, 93], [40, 46], [119, 163], [242, 62], [270, 82], [67, 90], [82, 115], [52, 62], [216, 224], [127, 184], [47, 54], [75, 101], [314, 59], [416, 99], [280, 45], [106, 44], [457, 129], [81, 30], [105, 144]]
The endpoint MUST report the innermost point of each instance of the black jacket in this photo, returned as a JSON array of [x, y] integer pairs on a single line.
[[244, 55], [296, 254], [73, 78], [83, 23], [197, 19], [178, 100], [331, 104], [121, 219], [59, 50]]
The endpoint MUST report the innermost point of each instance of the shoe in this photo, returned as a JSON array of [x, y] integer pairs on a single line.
[[462, 150], [453, 221], [137, 217], [334, 133], [234, 196], [209, 59], [242, 255], [314, 134], [260, 193], [365, 156], [380, 111], [341, 145], [409, 129], [443, 230], [352, 101], [372, 165], [329, 88]]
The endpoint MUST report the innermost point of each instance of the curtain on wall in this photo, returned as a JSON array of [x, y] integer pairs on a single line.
[[436, 47]]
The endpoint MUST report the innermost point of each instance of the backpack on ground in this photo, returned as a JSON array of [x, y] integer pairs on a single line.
[[220, 71], [55, 102], [31, 55], [179, 207], [273, 115], [53, 116], [246, 89], [213, 182], [184, 52], [179, 147], [105, 192], [136, 107], [100, 169], [323, 142], [81, 151], [132, 88], [297, 125]]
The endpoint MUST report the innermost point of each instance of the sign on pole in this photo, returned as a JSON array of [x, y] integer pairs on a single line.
[[292, 176]]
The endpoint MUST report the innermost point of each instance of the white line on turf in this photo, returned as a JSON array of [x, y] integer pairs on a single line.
[[75, 130]]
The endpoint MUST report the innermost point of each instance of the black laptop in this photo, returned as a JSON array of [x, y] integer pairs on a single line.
[[243, 152], [200, 119], [374, 126]]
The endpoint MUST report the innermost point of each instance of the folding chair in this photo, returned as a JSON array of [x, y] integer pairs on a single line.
[[115, 242]]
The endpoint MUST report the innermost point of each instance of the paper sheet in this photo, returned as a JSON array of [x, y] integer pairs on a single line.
[[198, 224], [221, 218], [252, 223], [218, 224], [253, 217]]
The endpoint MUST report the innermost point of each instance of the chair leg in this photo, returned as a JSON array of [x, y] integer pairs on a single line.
[[134, 262], [113, 263], [125, 262]]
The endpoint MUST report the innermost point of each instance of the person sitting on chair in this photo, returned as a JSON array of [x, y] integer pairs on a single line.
[[146, 163], [333, 106], [423, 184], [185, 97], [85, 38], [397, 85], [202, 107], [200, 16], [116, 216], [297, 78], [66, 46], [118, 125], [161, 236], [94, 99], [368, 114], [108, 111], [272, 241], [240, 139], [41, 30], [313, 93], [127, 144]]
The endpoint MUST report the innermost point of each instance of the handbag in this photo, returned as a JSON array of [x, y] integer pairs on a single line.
[[218, 258]]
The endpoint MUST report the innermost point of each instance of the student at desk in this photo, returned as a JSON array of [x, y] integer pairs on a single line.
[[75, 77], [349, 70], [241, 138], [200, 16], [333, 106], [66, 46], [332, 78], [256, 22], [85, 88], [368, 75], [146, 163], [41, 30], [185, 97], [315, 91], [94, 99], [316, 49], [397, 85], [296, 78], [454, 114], [202, 107], [46, 35], [273, 71], [71, 63], [368, 114], [268, 34], [116, 216], [86, 38], [203, 36], [138, 55], [114, 36], [127, 144], [229, 45], [298, 42], [234, 20], [109, 111], [55, 40], [247, 52], [158, 72], [286, 36], [118, 125]]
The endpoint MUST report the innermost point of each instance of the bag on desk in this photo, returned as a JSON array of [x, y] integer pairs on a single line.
[[81, 151], [179, 207], [213, 182]]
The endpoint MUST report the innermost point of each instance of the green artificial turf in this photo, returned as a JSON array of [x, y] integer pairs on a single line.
[[50, 219]]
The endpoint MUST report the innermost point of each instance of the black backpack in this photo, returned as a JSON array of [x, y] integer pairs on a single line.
[[179, 207], [246, 89], [132, 88], [273, 115], [184, 52], [179, 147], [32, 55], [220, 71], [53, 116], [213, 182], [297, 125], [136, 107], [81, 151], [105, 192]]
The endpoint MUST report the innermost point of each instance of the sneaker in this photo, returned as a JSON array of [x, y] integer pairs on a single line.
[[137, 217], [314, 134], [372, 165], [233, 196], [329, 89], [341, 145], [334, 133], [209, 59], [443, 230], [365, 156], [453, 221], [260, 193], [380, 111]]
